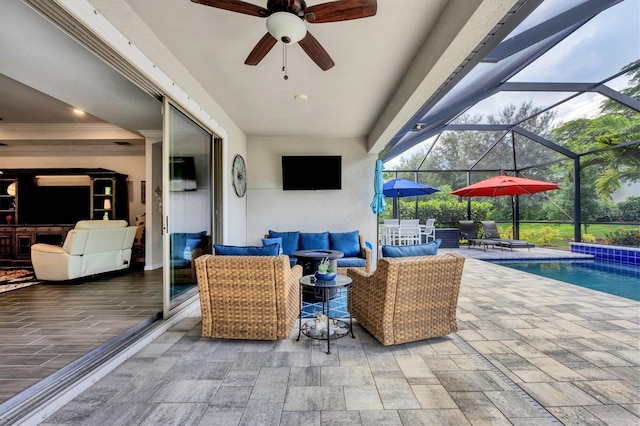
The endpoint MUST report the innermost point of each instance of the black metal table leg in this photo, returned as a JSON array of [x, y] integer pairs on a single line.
[[300, 314], [325, 301]]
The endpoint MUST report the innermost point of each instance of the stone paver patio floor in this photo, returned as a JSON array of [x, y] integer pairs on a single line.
[[529, 351]]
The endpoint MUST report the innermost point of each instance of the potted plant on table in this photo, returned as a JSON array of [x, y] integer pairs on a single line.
[[325, 272]]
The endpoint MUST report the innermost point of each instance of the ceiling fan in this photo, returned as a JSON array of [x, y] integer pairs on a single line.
[[285, 22]]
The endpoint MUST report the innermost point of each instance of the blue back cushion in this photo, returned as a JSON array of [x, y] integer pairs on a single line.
[[269, 241], [309, 241], [179, 242], [270, 250], [289, 240], [346, 242], [428, 249]]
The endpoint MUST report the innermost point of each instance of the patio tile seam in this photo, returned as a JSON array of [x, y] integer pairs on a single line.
[[513, 385]]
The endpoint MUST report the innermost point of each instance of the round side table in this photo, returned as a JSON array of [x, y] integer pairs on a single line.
[[333, 328]]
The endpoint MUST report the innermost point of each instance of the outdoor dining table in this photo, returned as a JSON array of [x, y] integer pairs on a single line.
[[390, 233]]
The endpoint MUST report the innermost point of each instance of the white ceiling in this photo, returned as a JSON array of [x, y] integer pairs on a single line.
[[372, 56]]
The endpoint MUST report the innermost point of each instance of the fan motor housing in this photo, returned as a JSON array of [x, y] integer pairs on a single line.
[[296, 7]]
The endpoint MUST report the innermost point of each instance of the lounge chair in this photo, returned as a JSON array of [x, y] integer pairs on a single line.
[[491, 232], [468, 230]]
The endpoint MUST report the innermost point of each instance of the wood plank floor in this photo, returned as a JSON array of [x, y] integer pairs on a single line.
[[45, 327]]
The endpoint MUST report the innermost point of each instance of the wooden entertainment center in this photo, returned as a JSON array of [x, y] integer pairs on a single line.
[[42, 205]]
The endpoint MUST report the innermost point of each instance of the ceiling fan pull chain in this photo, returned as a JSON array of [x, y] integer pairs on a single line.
[[284, 61]]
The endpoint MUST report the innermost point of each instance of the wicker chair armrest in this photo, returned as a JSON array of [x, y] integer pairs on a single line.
[[365, 252], [355, 273], [291, 298], [296, 272]]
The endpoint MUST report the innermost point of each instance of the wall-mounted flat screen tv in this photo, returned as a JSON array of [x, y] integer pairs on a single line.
[[183, 174], [311, 172], [55, 204]]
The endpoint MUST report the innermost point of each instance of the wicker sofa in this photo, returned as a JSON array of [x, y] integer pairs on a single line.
[[248, 297], [408, 298]]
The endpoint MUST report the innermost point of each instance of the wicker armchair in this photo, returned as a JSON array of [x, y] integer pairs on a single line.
[[248, 297], [408, 298]]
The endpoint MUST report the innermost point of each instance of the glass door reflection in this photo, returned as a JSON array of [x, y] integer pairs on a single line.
[[188, 211]]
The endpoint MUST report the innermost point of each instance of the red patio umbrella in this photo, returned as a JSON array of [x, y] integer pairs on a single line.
[[505, 185]]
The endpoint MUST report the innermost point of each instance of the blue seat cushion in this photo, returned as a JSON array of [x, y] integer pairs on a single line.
[[314, 241], [346, 242], [352, 262], [428, 249], [222, 250], [180, 263], [293, 261], [269, 241], [290, 240]]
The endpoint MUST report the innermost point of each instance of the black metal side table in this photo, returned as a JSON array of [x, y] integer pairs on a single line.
[[333, 328]]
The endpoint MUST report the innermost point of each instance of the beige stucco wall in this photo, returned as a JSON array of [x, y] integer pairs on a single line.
[[269, 207]]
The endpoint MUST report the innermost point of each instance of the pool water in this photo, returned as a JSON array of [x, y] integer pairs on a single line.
[[617, 279]]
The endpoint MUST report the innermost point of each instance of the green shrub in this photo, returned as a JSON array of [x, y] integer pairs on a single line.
[[623, 237], [588, 238], [446, 212], [548, 235], [529, 236]]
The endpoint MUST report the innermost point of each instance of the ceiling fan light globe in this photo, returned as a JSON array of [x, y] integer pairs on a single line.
[[286, 27]]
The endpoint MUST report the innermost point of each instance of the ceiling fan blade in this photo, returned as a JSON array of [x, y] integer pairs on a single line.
[[236, 6], [260, 51], [341, 10], [316, 52]]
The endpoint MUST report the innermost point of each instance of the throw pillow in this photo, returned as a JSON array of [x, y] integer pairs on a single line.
[[346, 242], [179, 242], [289, 240], [191, 244], [428, 249], [269, 241], [222, 250], [310, 241]]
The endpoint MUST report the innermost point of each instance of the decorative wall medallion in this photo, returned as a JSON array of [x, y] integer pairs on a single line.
[[239, 176]]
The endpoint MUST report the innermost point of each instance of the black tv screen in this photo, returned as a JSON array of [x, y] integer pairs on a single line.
[[183, 174], [311, 172], [55, 205]]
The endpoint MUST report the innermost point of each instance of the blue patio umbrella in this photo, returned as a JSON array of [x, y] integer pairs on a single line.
[[397, 188], [378, 204], [406, 188]]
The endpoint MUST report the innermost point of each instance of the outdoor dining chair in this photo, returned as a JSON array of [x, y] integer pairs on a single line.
[[409, 232], [389, 231], [429, 230]]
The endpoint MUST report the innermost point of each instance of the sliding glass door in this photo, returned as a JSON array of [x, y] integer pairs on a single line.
[[187, 204]]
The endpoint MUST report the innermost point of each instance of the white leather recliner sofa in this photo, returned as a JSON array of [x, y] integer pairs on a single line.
[[92, 247]]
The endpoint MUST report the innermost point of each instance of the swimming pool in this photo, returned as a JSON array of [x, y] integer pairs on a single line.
[[617, 279]]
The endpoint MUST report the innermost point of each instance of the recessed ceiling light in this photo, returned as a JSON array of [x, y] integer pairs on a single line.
[[78, 111], [300, 97]]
